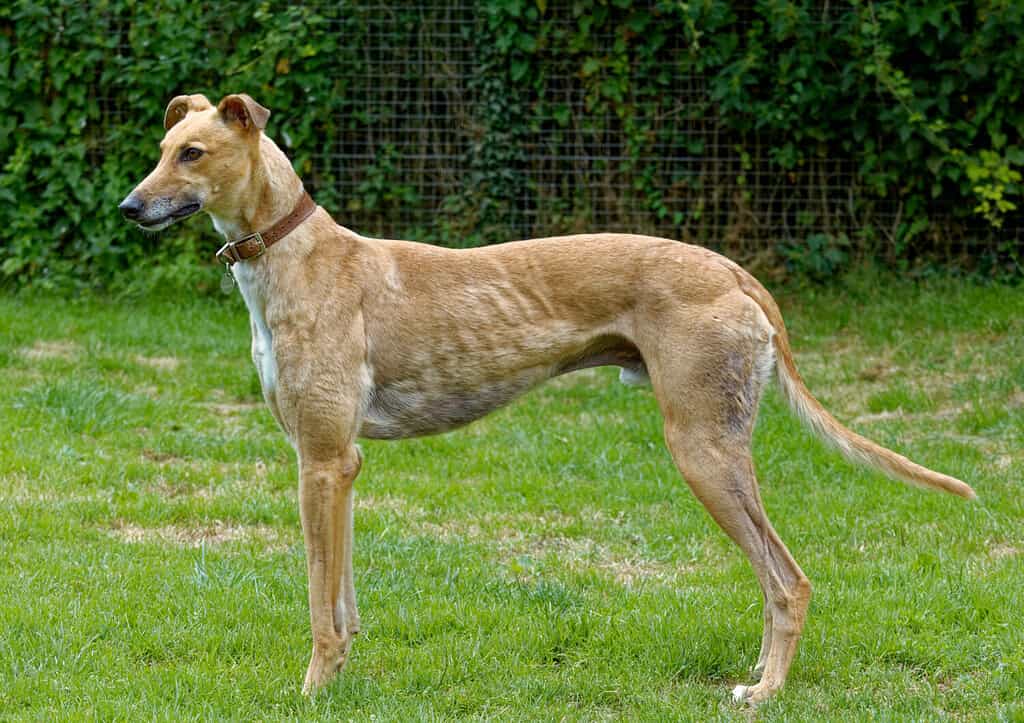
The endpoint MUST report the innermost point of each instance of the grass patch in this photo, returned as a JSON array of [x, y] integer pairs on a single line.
[[545, 563]]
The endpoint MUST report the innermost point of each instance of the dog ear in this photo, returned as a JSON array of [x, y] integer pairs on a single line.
[[242, 109], [179, 107]]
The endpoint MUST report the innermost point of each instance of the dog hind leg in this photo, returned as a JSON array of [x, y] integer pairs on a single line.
[[766, 640], [725, 484], [709, 400]]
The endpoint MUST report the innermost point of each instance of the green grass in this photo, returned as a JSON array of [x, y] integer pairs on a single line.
[[546, 563]]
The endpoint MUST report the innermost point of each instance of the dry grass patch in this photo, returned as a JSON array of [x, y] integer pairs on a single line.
[[1003, 550], [535, 535], [21, 489], [890, 414], [231, 409], [517, 536], [583, 554], [162, 458], [213, 533], [163, 363], [43, 349], [847, 374], [387, 503], [1004, 462], [223, 479]]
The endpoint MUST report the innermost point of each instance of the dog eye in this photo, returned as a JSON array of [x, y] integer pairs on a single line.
[[191, 154]]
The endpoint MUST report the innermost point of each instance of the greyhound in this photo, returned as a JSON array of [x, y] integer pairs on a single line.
[[382, 339]]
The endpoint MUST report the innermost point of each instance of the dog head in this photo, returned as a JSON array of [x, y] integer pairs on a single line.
[[206, 160]]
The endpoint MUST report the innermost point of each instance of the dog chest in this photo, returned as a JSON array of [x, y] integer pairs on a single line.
[[262, 338]]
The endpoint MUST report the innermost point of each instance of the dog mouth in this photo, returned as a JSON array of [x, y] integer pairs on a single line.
[[178, 214]]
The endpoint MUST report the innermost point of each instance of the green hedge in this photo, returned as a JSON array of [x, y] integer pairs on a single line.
[[923, 97], [85, 84]]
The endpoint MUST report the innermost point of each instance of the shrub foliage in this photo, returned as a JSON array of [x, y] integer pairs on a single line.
[[922, 97]]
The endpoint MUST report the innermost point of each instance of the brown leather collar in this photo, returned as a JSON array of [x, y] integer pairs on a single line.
[[253, 245]]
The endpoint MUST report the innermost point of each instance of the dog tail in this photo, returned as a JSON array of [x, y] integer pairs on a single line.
[[853, 446]]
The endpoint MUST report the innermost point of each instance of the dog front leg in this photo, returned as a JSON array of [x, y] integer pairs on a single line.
[[346, 614], [325, 501]]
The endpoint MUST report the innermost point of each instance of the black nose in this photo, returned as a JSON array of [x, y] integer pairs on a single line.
[[131, 207]]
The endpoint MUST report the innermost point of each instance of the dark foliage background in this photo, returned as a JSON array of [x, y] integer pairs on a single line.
[[800, 135]]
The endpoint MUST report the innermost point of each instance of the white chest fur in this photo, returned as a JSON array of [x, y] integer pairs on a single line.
[[262, 338]]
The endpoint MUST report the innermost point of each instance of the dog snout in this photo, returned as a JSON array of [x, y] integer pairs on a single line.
[[132, 207]]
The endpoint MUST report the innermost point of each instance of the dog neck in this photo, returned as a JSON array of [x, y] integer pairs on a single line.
[[272, 192]]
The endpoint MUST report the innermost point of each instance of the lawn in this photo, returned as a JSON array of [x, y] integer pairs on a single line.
[[546, 563]]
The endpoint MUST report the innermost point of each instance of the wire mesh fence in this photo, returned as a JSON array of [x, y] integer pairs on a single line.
[[404, 158], [406, 165]]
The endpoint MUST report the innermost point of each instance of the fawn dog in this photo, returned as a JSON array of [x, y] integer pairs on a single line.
[[353, 336]]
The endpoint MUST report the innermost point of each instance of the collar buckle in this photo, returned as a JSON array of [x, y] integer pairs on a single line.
[[234, 251], [261, 247]]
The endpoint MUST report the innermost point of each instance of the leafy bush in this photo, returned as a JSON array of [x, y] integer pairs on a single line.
[[819, 258], [920, 99], [85, 85]]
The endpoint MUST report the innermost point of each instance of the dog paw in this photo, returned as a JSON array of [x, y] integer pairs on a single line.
[[325, 663], [754, 694]]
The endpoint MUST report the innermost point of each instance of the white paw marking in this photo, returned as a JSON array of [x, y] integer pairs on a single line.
[[739, 693]]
